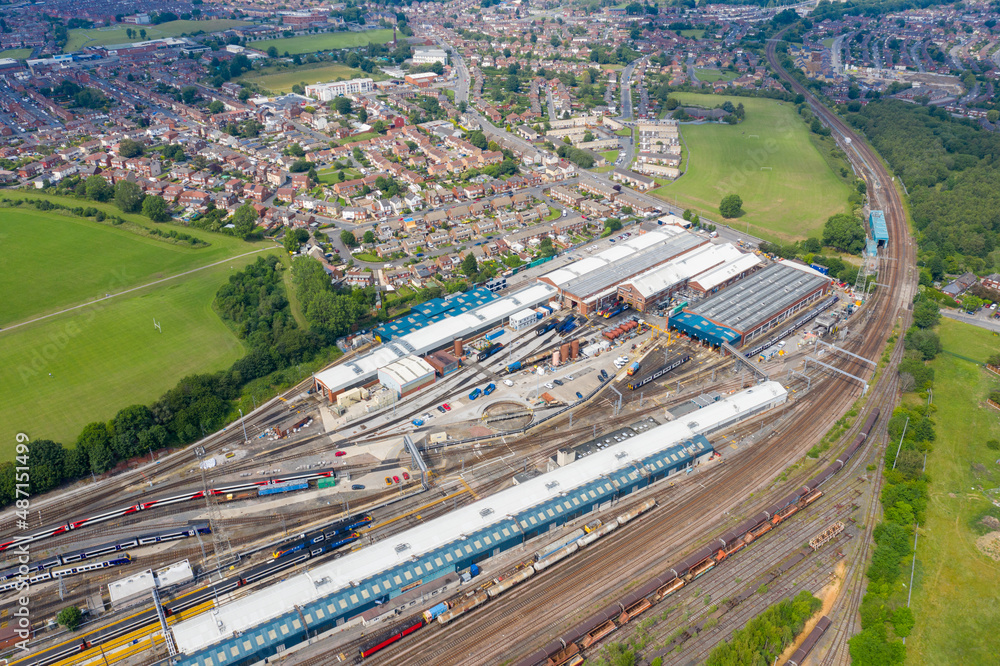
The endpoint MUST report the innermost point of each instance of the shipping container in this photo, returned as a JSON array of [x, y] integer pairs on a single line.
[[282, 488], [326, 483]]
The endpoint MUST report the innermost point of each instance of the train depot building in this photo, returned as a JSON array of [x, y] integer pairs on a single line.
[[330, 595], [753, 306]]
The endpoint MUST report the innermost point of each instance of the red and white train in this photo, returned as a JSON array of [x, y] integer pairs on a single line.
[[156, 503]]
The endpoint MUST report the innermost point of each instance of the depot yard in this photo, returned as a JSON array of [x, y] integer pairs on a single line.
[[954, 595], [93, 259], [80, 37], [282, 80], [788, 187], [324, 41]]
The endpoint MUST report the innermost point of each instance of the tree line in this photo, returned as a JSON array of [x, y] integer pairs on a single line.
[[254, 304], [951, 169], [766, 636]]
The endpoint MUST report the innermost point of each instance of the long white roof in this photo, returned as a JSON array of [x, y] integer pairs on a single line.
[[683, 268], [244, 613], [713, 278], [433, 336], [605, 258]]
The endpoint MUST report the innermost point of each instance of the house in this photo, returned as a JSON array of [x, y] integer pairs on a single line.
[[960, 285], [358, 278], [992, 281], [193, 198]]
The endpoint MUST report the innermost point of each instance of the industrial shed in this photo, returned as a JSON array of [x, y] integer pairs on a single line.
[[264, 622], [407, 375], [591, 283], [363, 370], [759, 302], [523, 319], [653, 286]]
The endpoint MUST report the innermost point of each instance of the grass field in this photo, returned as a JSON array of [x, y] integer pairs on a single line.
[[954, 595], [16, 54], [713, 75], [828, 42], [81, 37], [324, 42], [282, 80], [107, 356], [87, 259], [696, 33], [789, 200], [329, 176]]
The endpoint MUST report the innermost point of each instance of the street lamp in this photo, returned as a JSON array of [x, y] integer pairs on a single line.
[[245, 438]]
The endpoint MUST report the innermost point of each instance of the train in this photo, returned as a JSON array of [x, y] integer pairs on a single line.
[[567, 325], [614, 310], [55, 574], [489, 351], [394, 636], [800, 655], [546, 327], [327, 547], [346, 526], [106, 549], [151, 504], [282, 488], [799, 323], [564, 648], [633, 368], [672, 364]]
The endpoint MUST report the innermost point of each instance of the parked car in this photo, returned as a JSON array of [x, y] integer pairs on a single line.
[[568, 378], [557, 382], [396, 479], [388, 480], [358, 486], [406, 477], [441, 408], [446, 406], [579, 395], [417, 422], [549, 386], [340, 453], [507, 382]]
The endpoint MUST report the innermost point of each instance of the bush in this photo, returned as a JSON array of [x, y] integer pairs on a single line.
[[70, 617]]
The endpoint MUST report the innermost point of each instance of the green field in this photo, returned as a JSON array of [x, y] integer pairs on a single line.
[[81, 37], [329, 176], [713, 75], [84, 260], [696, 33], [828, 42], [16, 54], [955, 591], [790, 198], [324, 42], [107, 356], [282, 80]]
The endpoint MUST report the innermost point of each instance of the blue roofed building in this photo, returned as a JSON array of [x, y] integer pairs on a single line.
[[880, 232]]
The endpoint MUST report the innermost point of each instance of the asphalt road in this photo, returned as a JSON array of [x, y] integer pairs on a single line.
[[982, 319]]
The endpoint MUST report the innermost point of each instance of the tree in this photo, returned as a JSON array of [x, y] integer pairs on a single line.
[[294, 238], [245, 220], [926, 314], [546, 249], [126, 428], [216, 107], [342, 105], [155, 208], [478, 139], [70, 617], [844, 232], [272, 52], [993, 115], [731, 206], [95, 442], [924, 341], [369, 237], [189, 94], [128, 196], [348, 239], [99, 189], [129, 148], [469, 265]]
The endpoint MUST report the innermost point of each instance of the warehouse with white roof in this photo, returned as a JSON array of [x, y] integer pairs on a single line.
[[432, 337], [591, 284], [264, 622], [649, 288]]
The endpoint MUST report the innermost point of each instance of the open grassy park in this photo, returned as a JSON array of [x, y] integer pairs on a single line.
[[787, 184], [954, 595], [16, 54], [282, 80], [80, 37], [324, 41], [105, 355], [709, 75]]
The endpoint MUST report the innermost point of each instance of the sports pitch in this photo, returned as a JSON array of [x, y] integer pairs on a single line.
[[282, 80], [80, 37], [788, 186], [106, 355], [324, 41]]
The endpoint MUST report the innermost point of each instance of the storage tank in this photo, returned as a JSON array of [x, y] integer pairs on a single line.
[[555, 357], [575, 349], [564, 351], [458, 348]]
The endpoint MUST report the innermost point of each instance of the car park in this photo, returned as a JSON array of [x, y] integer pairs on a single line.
[[358, 486]]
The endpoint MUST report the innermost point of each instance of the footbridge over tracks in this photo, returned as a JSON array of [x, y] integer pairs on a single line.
[[745, 362]]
